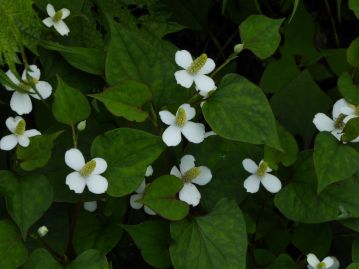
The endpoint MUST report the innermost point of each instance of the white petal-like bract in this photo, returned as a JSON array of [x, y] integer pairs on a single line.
[[74, 159], [190, 194]]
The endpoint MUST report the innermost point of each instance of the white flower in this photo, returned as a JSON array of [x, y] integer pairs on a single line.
[[90, 206], [194, 71], [56, 19], [327, 263], [135, 198], [85, 173], [17, 126], [336, 125], [260, 174], [181, 123], [190, 174], [42, 231], [20, 101]]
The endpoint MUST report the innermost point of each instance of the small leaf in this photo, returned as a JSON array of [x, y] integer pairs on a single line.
[[89, 259], [152, 238], [41, 259], [283, 261], [216, 240], [128, 152], [260, 35], [353, 266], [160, 196], [70, 106], [297, 103], [27, 198], [90, 60], [333, 161], [354, 6], [289, 153], [348, 89], [125, 99], [351, 130], [299, 200], [353, 53], [312, 238], [238, 110], [13, 252], [38, 153], [92, 233]]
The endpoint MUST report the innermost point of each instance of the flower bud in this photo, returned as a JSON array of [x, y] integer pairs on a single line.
[[42, 231], [238, 48], [81, 125]]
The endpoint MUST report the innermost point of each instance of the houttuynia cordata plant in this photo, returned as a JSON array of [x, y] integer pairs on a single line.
[[185, 134]]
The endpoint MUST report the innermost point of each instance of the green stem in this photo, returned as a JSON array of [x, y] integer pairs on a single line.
[[24, 58], [227, 61], [336, 37], [74, 136]]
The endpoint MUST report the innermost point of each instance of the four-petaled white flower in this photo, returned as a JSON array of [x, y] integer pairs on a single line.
[[194, 71], [90, 206], [190, 174], [327, 263], [135, 198], [336, 125], [56, 19], [260, 174], [17, 126], [20, 101], [85, 173], [194, 132]]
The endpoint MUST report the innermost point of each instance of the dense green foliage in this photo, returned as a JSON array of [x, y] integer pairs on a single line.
[[145, 154]]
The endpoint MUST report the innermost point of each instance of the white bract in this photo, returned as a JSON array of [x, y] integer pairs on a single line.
[[326, 263], [260, 174], [194, 71], [194, 132], [56, 19], [17, 126], [20, 101], [90, 206], [191, 174], [135, 198], [85, 173]]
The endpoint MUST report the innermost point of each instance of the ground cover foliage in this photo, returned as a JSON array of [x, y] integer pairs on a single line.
[[198, 134]]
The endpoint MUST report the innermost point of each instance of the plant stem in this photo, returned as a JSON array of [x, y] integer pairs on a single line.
[[336, 37], [227, 61], [74, 136]]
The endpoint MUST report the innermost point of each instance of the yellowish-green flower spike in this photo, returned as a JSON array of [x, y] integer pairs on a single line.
[[58, 15], [339, 122], [191, 174], [197, 64], [262, 169], [181, 117], [20, 128], [88, 168], [25, 86], [321, 265]]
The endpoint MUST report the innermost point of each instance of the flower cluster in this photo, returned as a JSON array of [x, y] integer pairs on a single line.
[[342, 112], [29, 85]]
